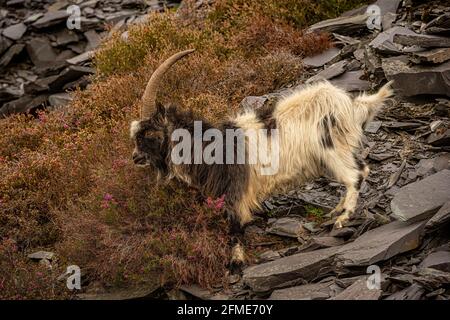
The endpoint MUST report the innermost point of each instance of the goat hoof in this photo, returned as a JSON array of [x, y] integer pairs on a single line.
[[236, 267], [340, 221]]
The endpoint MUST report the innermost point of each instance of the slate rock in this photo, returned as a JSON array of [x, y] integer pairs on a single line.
[[326, 242], [388, 9], [313, 291], [413, 292], [358, 291], [39, 255], [40, 51], [416, 80], [51, 18], [137, 293], [439, 260], [93, 39], [439, 25], [307, 265], [22, 105], [81, 58], [9, 55], [345, 232], [380, 244], [384, 42], [343, 25], [442, 217], [320, 59], [65, 37], [287, 227], [330, 72], [420, 200], [9, 93], [5, 43], [436, 56], [422, 40], [373, 126], [15, 31], [440, 138], [351, 81], [59, 99], [269, 255]]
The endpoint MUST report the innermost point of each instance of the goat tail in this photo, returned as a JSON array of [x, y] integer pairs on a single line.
[[367, 106]]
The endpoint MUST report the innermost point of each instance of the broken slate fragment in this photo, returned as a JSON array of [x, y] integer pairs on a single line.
[[373, 126], [351, 81], [422, 40], [9, 55], [307, 265], [15, 32], [441, 218], [343, 25], [415, 80], [59, 99], [440, 25], [22, 105], [39, 255], [359, 291], [313, 291], [320, 59], [440, 138], [380, 244], [287, 227], [51, 18], [439, 260], [421, 199], [436, 56], [384, 42], [413, 292], [330, 72], [40, 51]]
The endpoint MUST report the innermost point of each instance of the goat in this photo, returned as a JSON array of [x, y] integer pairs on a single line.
[[319, 132]]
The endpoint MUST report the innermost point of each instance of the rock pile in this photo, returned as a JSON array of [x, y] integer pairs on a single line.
[[400, 233], [42, 56]]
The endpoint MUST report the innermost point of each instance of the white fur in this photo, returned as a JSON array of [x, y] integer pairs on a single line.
[[134, 128]]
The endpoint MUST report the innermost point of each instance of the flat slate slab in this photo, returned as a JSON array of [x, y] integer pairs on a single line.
[[438, 55], [313, 291], [380, 244], [342, 25], [330, 72], [422, 40], [384, 42], [420, 200], [441, 218], [439, 260], [308, 265], [358, 291], [415, 80], [320, 59], [351, 81]]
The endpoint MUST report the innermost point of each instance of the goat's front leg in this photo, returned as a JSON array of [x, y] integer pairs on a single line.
[[236, 232]]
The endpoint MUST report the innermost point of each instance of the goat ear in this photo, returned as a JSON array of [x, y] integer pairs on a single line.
[[160, 113]]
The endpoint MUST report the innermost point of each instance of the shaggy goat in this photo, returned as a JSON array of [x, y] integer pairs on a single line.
[[319, 129]]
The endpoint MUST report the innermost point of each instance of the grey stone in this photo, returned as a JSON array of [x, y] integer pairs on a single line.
[[326, 242], [373, 126], [422, 40], [380, 244], [436, 56], [345, 232], [122, 294], [9, 55], [313, 291], [343, 25], [22, 105], [359, 291], [322, 58], [51, 18], [269, 255], [381, 156], [350, 81], [426, 167], [384, 42], [388, 9], [439, 260], [59, 99], [421, 199], [34, 17], [39, 255], [330, 72], [307, 266], [40, 51], [440, 138], [287, 227], [346, 40], [15, 31], [415, 80], [82, 58], [9, 93], [5, 43], [253, 102], [413, 292], [440, 25], [65, 37], [442, 217], [93, 39]]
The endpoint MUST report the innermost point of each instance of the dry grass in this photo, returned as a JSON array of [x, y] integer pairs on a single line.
[[68, 185]]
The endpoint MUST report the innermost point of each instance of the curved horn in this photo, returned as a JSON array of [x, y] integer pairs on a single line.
[[149, 97]]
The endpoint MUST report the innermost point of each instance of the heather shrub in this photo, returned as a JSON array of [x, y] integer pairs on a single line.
[[67, 184]]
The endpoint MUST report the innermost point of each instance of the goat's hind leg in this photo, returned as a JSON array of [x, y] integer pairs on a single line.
[[351, 173], [236, 232]]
